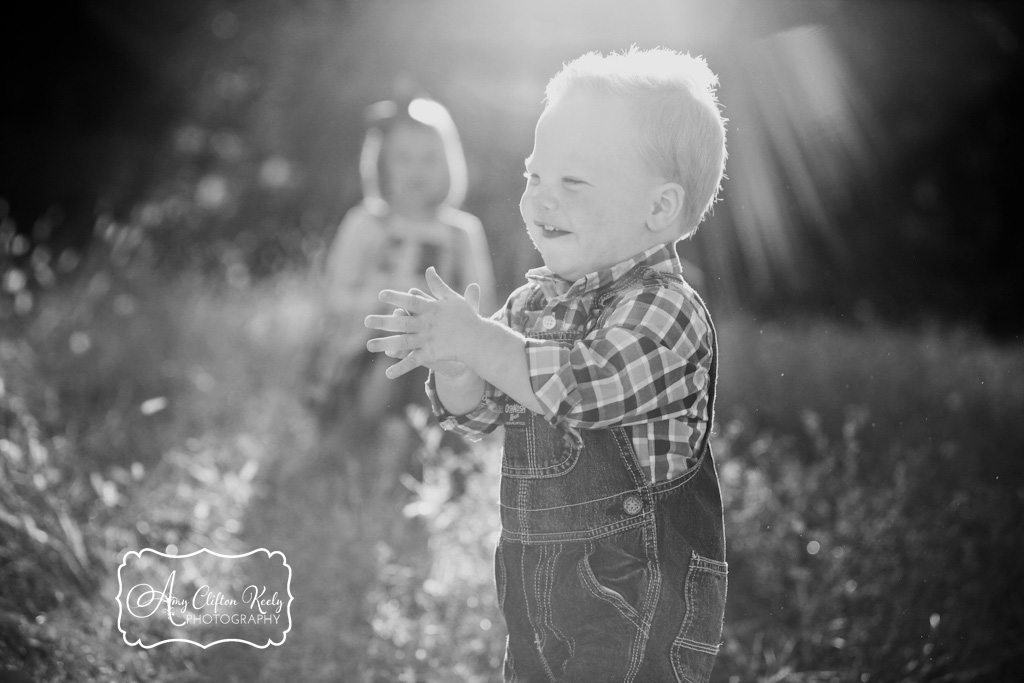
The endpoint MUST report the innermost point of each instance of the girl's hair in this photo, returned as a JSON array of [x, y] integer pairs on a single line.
[[383, 118], [680, 132]]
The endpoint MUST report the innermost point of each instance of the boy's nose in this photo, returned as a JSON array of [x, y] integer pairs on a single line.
[[544, 200]]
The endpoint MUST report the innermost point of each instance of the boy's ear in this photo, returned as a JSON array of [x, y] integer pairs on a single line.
[[666, 207]]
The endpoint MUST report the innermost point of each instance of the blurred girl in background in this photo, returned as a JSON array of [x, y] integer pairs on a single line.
[[414, 179]]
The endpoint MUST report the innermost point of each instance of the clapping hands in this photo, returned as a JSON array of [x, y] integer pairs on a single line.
[[433, 330]]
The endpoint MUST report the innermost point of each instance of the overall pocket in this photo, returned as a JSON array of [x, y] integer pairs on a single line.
[[694, 649], [533, 448], [616, 570]]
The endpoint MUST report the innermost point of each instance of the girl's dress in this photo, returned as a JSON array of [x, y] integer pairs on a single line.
[[375, 250]]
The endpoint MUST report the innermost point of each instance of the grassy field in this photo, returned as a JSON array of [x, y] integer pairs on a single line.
[[873, 480]]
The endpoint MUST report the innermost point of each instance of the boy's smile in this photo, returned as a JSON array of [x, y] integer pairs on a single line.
[[587, 192]]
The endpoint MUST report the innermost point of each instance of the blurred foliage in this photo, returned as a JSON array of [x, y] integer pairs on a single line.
[[121, 429], [870, 510], [42, 547]]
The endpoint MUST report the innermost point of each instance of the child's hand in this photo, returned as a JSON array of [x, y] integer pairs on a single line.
[[433, 328], [449, 368]]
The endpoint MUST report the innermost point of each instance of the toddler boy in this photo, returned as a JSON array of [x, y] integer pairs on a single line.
[[611, 564]]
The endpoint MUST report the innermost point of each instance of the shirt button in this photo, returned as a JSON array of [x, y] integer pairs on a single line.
[[548, 322], [631, 505]]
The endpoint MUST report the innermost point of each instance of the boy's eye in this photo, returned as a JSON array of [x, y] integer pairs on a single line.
[[531, 178], [572, 181]]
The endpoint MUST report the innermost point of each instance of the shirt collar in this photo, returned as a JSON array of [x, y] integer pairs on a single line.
[[659, 257]]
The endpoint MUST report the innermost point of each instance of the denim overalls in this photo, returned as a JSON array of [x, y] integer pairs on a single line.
[[601, 575]]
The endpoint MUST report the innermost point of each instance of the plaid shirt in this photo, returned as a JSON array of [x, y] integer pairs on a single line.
[[646, 368]]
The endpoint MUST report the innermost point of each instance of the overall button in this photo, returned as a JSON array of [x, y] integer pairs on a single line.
[[548, 322], [631, 505]]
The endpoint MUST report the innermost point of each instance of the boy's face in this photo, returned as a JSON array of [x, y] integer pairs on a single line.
[[416, 168], [587, 193]]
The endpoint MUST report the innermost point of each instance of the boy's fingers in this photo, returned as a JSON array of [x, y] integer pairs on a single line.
[[395, 344], [398, 354], [392, 323], [437, 286], [410, 302], [473, 295], [403, 366]]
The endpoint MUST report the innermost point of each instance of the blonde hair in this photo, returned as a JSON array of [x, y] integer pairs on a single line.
[[680, 131], [420, 112]]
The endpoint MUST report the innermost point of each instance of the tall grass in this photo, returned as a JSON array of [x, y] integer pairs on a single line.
[[872, 479], [873, 484]]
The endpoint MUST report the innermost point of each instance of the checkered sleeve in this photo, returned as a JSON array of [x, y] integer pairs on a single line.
[[650, 360], [483, 419], [487, 415]]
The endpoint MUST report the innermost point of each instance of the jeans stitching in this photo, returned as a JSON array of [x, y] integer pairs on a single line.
[[547, 537], [531, 444], [639, 640], [595, 588], [523, 523], [544, 594], [543, 472], [704, 564], [538, 636], [710, 565], [652, 594], [624, 444], [688, 595], [698, 646], [620, 494], [533, 468], [649, 526], [654, 588], [628, 456], [540, 581], [551, 621]]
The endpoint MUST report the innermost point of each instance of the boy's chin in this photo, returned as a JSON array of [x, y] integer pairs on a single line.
[[552, 262], [563, 267], [564, 272]]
